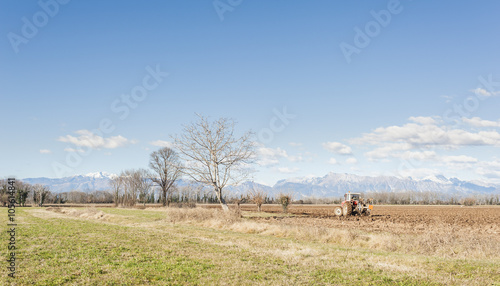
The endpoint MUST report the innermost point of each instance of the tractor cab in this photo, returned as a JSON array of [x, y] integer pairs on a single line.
[[352, 197]]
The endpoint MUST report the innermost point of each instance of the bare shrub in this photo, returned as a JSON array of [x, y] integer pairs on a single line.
[[284, 200], [238, 201], [469, 202], [189, 205], [258, 197]]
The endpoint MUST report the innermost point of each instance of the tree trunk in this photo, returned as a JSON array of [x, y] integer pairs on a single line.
[[221, 200], [223, 205], [164, 197]]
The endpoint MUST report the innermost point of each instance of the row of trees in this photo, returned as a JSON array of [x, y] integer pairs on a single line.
[[37, 194], [25, 193], [414, 198], [134, 185], [78, 197], [431, 198]]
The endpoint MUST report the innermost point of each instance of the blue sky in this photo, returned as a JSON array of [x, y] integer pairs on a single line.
[[418, 95]]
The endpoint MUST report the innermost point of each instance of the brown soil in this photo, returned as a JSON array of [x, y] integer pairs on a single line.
[[481, 220]]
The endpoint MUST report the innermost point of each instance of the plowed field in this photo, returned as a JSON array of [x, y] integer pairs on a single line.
[[480, 220]]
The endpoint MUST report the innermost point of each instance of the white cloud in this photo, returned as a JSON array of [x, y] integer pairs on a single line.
[[161, 143], [421, 140], [417, 155], [481, 92], [286, 170], [478, 122], [461, 162], [395, 150], [269, 156], [45, 151], [490, 170], [351, 161], [332, 161], [459, 159], [427, 133], [297, 158], [419, 173], [423, 120], [337, 148], [88, 139], [388, 150]]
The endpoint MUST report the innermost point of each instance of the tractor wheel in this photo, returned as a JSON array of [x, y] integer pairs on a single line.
[[337, 211], [367, 212], [347, 210]]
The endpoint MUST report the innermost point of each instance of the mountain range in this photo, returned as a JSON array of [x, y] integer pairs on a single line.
[[330, 185]]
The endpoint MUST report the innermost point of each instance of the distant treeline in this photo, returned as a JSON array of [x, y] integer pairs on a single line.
[[27, 194], [38, 195], [415, 198]]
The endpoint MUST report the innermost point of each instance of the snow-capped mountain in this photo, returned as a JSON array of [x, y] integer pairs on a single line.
[[330, 185], [86, 183], [334, 185]]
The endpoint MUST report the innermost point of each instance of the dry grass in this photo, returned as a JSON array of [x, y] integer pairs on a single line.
[[432, 243], [199, 215], [85, 213]]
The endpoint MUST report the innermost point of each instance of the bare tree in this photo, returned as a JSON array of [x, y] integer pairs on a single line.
[[144, 184], [214, 155], [257, 196], [22, 192], [130, 187], [136, 185], [116, 186], [167, 169], [40, 193]]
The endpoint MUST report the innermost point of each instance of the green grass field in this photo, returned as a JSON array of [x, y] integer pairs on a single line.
[[140, 247]]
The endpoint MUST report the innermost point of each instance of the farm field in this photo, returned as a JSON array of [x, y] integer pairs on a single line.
[[438, 245], [479, 220]]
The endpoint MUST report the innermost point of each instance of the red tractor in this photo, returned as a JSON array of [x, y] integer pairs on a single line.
[[354, 204]]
